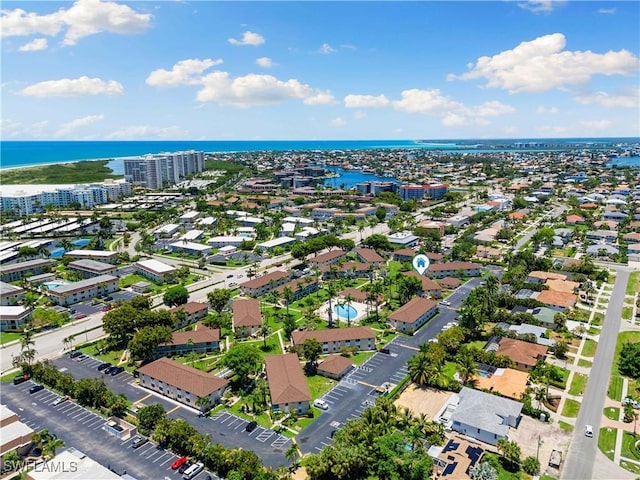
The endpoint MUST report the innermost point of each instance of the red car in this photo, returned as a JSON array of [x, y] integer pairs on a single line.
[[106, 309], [178, 463]]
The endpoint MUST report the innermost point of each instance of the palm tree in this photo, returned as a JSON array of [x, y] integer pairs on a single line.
[[287, 294], [26, 343], [53, 443], [331, 291], [465, 366], [265, 331], [422, 370], [540, 394], [292, 453], [348, 299]]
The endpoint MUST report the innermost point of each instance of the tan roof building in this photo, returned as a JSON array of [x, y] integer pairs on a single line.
[[428, 285], [200, 334], [538, 276], [335, 366], [412, 315], [261, 285], [558, 300], [565, 286], [370, 256], [287, 385], [524, 354], [333, 334], [247, 318], [327, 258]]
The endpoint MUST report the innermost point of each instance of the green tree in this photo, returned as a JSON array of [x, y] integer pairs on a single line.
[[145, 342], [629, 362], [150, 415], [289, 326], [531, 465], [483, 471], [511, 454], [561, 348], [265, 331], [219, 299], [287, 294], [176, 296], [311, 350], [244, 359], [408, 286]]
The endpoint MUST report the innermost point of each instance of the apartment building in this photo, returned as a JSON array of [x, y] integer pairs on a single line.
[[412, 315], [264, 284], [247, 318], [333, 339], [88, 289], [287, 385]]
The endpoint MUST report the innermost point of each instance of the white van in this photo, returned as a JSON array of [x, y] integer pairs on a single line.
[[193, 470]]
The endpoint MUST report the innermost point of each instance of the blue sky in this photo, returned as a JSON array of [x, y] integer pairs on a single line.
[[96, 69]]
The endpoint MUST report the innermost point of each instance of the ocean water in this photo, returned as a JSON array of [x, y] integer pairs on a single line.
[[30, 153]]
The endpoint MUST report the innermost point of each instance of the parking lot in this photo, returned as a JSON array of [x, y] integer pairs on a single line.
[[269, 446], [82, 429]]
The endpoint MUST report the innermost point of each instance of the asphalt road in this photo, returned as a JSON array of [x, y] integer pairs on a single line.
[[582, 451], [82, 429]]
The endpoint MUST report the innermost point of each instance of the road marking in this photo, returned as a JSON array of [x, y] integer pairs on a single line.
[[167, 460], [159, 458], [173, 410], [143, 398]]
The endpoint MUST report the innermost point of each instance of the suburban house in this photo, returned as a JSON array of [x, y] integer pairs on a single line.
[[429, 287], [10, 294], [182, 383], [525, 355], [557, 300], [194, 312], [153, 270], [453, 269], [83, 290], [199, 340], [247, 318], [456, 458], [15, 271], [369, 255], [92, 268], [541, 277], [484, 416], [413, 314], [449, 282], [287, 385], [333, 339], [264, 284], [325, 259], [335, 367]]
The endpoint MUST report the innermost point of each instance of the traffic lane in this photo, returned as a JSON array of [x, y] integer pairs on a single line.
[[346, 402], [82, 429], [382, 368], [229, 431], [463, 291], [123, 383], [432, 328]]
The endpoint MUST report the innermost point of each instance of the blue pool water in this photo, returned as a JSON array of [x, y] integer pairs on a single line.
[[80, 242], [50, 285], [57, 253], [345, 311]]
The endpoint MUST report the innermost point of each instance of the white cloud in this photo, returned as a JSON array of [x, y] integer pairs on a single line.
[[320, 98], [74, 87], [596, 124], [365, 101], [348, 46], [68, 128], [607, 11], [135, 132], [359, 115], [539, 6], [34, 45], [543, 110], [248, 38], [543, 64], [264, 62], [627, 100], [83, 18], [185, 72], [433, 102], [338, 122], [326, 49]]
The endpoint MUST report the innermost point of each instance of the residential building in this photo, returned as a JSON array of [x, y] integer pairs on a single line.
[[190, 248], [368, 255], [92, 268], [16, 271], [247, 318], [429, 287], [419, 192], [157, 171], [182, 383], [299, 287], [287, 384], [335, 367], [14, 435], [525, 355], [223, 241], [199, 340], [326, 259], [10, 294], [403, 239], [484, 416], [413, 314], [541, 277], [275, 243], [154, 270], [557, 300], [456, 458], [193, 312], [257, 287], [72, 464], [166, 231], [333, 339], [404, 255], [88, 289], [99, 255], [14, 317], [454, 269]]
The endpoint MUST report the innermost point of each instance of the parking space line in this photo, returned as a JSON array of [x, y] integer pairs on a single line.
[[173, 410], [240, 425], [167, 460], [162, 456], [91, 419], [143, 398]]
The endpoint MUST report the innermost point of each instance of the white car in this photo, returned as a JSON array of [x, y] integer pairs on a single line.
[[588, 431], [321, 404]]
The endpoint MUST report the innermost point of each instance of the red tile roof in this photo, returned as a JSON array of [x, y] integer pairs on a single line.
[[286, 380], [188, 379], [265, 279], [411, 311], [246, 313], [335, 364], [333, 334]]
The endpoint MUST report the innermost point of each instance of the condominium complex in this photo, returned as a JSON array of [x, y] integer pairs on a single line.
[[30, 199], [418, 192], [156, 171]]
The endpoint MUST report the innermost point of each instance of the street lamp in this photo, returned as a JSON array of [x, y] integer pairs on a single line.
[[540, 442]]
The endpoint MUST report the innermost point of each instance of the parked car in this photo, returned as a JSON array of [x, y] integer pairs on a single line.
[[75, 354], [116, 370], [178, 463], [21, 379], [318, 402], [36, 388], [588, 431], [59, 400], [185, 466], [630, 401], [230, 275], [385, 350], [193, 471], [139, 441], [78, 316], [251, 426], [104, 366]]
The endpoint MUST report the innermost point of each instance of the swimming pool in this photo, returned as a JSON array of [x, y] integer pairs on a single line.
[[56, 253], [81, 242], [345, 311], [54, 284]]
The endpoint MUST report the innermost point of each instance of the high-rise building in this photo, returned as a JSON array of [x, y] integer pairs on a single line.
[[433, 191], [158, 170]]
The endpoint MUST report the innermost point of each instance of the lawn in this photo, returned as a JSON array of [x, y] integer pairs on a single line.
[[567, 427], [262, 418], [584, 363], [624, 337], [361, 357], [571, 408], [594, 331], [615, 388], [629, 449], [577, 384], [612, 413], [634, 283], [319, 385], [580, 315], [627, 313], [6, 337], [598, 318], [607, 441], [112, 357], [503, 474], [589, 348], [129, 280]]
